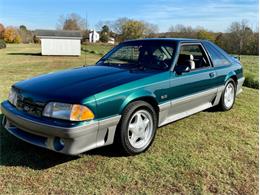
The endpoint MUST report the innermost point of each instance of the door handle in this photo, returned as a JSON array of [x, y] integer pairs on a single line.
[[212, 74]]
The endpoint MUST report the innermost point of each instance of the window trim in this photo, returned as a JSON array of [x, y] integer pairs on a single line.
[[211, 46], [192, 43]]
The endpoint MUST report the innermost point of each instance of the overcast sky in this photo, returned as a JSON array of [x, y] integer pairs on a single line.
[[214, 15]]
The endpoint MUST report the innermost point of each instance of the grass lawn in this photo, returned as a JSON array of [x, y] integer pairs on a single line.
[[251, 65], [99, 49], [210, 152]]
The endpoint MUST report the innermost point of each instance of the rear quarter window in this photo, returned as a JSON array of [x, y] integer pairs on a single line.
[[218, 59]]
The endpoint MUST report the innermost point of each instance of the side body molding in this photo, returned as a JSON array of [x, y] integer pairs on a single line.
[[185, 106]]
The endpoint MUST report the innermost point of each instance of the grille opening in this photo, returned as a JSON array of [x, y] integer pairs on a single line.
[[30, 107]]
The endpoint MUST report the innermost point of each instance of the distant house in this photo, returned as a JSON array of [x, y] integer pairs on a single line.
[[59, 42], [111, 40], [93, 36]]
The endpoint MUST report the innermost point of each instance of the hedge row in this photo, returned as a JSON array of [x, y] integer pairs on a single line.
[[251, 82], [2, 44]]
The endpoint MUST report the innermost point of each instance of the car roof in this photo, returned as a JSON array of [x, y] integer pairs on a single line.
[[165, 40]]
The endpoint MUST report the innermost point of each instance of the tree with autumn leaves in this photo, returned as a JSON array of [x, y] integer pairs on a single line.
[[11, 35], [2, 29]]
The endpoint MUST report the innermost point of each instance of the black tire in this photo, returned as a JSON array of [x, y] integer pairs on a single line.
[[3, 121], [122, 133], [222, 105]]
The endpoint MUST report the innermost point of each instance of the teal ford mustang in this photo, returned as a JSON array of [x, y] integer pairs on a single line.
[[136, 87]]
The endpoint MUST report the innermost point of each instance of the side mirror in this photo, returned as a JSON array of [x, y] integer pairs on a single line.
[[181, 69]]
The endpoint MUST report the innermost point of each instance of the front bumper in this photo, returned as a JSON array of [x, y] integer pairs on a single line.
[[70, 138]]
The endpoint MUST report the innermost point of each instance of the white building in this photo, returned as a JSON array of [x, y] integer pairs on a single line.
[[58, 42], [111, 40], [93, 36]]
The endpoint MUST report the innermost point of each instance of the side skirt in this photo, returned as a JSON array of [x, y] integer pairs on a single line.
[[186, 113], [188, 105]]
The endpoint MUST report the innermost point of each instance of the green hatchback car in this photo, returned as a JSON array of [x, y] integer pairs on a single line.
[[135, 88]]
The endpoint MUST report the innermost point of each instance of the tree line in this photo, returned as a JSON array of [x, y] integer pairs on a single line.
[[21, 34], [239, 38]]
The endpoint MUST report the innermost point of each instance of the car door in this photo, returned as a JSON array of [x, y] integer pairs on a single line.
[[193, 90]]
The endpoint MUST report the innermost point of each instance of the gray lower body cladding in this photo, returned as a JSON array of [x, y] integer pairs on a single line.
[[66, 140], [185, 106]]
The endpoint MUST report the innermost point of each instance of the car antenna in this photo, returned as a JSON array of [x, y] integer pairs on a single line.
[[240, 43], [85, 48]]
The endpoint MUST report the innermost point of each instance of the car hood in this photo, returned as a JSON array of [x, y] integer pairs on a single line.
[[74, 85]]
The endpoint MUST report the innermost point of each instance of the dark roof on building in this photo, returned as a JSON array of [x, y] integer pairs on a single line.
[[56, 34]]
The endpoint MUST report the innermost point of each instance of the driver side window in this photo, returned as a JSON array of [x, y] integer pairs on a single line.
[[193, 56]]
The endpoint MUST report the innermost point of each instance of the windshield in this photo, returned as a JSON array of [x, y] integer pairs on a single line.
[[143, 54]]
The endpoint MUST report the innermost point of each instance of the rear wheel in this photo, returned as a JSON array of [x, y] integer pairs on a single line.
[[228, 96], [137, 128]]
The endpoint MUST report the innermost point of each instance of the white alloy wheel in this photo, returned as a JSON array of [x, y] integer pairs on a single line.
[[229, 95], [140, 129]]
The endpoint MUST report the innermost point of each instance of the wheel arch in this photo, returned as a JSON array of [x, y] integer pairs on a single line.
[[145, 96], [231, 75]]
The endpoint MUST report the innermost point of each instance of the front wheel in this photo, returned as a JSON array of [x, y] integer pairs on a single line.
[[137, 128], [228, 96]]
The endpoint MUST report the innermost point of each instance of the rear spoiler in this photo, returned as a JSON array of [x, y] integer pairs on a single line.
[[235, 58]]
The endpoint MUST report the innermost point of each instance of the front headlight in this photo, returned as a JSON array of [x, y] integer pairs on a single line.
[[72, 112], [12, 97]]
